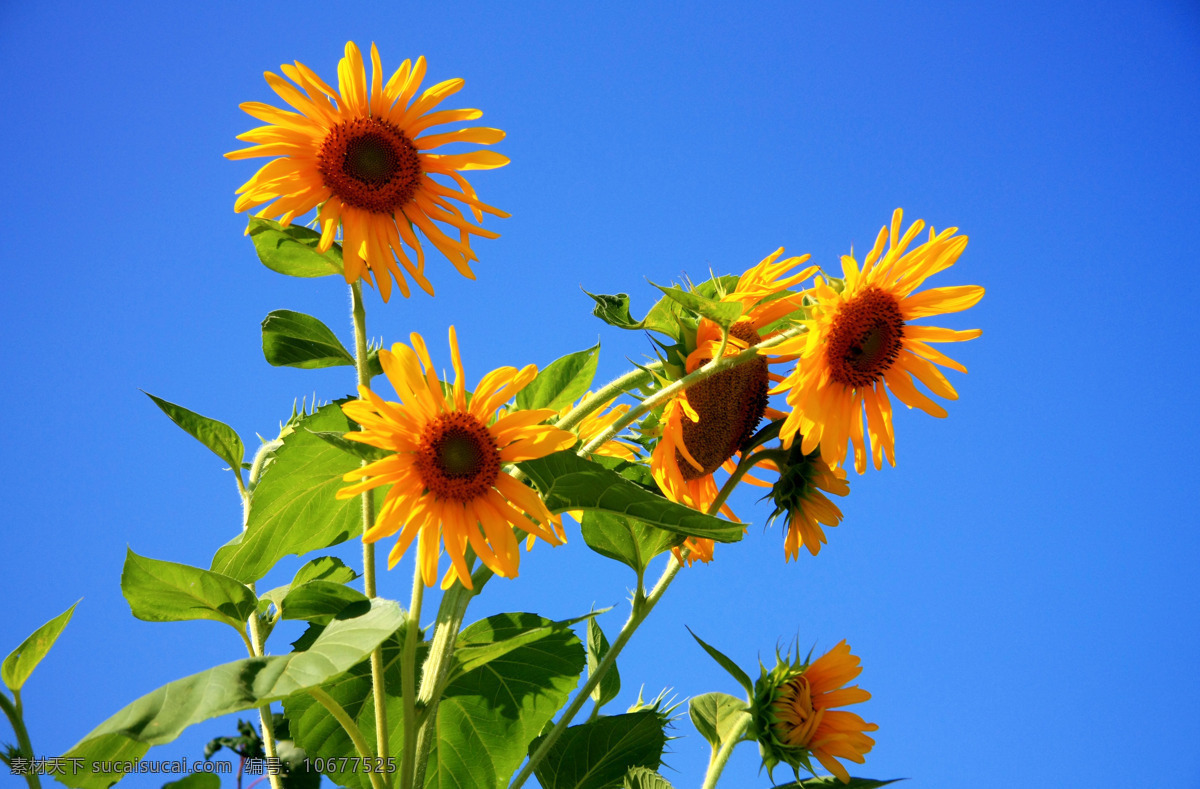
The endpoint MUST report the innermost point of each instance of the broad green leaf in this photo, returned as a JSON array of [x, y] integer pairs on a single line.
[[321, 601], [500, 634], [217, 436], [831, 782], [628, 541], [599, 753], [569, 482], [292, 250], [641, 778], [324, 568], [160, 716], [597, 648], [159, 591], [561, 382], [294, 509], [489, 716], [723, 313], [734, 670], [293, 339], [195, 781], [614, 310], [717, 715], [21, 662], [356, 448]]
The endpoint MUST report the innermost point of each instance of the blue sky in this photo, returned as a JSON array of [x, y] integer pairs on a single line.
[[1021, 587]]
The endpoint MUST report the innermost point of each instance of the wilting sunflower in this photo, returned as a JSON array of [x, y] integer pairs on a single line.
[[800, 494], [356, 152], [707, 424], [795, 719], [860, 343], [445, 470]]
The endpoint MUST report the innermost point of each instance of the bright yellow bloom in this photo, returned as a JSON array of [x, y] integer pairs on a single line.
[[356, 153], [446, 471], [796, 716], [706, 425], [800, 493], [860, 343]]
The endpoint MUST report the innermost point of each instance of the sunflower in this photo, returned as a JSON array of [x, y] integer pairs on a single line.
[[707, 424], [356, 153], [800, 493], [795, 718], [860, 344], [446, 467]]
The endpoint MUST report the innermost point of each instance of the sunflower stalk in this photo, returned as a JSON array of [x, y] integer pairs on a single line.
[[408, 677], [595, 401], [351, 728], [13, 710], [718, 364], [721, 757], [359, 318]]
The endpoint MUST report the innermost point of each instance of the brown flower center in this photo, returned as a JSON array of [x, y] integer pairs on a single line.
[[867, 336], [730, 405], [457, 457], [370, 164]]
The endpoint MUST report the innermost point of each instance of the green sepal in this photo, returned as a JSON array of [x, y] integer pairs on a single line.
[[734, 670], [723, 313], [160, 591], [569, 482], [161, 715], [21, 662], [562, 382], [293, 250], [599, 753], [614, 310], [597, 647], [293, 339], [222, 439]]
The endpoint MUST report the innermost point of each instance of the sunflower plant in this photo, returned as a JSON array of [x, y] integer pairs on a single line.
[[762, 378]]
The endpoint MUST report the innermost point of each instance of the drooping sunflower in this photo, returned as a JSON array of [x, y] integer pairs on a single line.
[[707, 424], [446, 468], [358, 154], [795, 716], [860, 344]]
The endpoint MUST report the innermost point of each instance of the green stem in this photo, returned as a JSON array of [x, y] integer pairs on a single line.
[[717, 364], [359, 318], [408, 678], [717, 765], [594, 401], [351, 728], [13, 710], [264, 712]]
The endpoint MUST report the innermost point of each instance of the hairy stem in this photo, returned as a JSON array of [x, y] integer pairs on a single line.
[[717, 765], [593, 402], [408, 678], [359, 318], [356, 736], [13, 710]]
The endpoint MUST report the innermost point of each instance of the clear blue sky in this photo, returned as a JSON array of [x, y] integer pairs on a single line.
[[1021, 587]]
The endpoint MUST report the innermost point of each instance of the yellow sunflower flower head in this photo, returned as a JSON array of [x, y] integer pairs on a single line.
[[800, 494], [709, 423], [446, 467], [358, 153], [795, 719], [861, 343]]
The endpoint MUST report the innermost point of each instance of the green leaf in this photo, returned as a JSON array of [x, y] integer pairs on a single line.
[[292, 250], [293, 339], [195, 781], [734, 670], [160, 716], [599, 753], [717, 715], [217, 436], [500, 634], [159, 591], [597, 648], [831, 782], [294, 509], [21, 662], [614, 310], [321, 601], [723, 313], [561, 382], [630, 542], [324, 568], [569, 482], [641, 778], [489, 716], [356, 448]]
